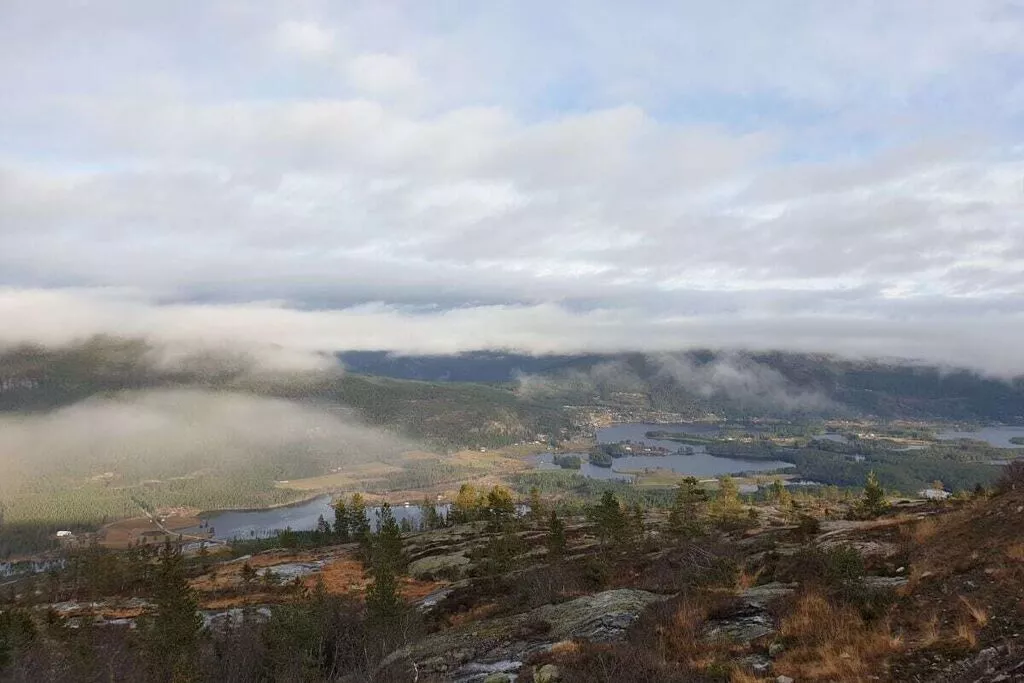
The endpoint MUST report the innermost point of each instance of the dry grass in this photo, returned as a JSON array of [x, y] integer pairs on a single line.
[[740, 676], [832, 643], [977, 614], [930, 633], [679, 638], [1015, 552], [966, 634], [924, 530], [747, 580]]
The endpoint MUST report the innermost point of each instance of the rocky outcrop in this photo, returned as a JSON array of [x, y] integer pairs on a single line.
[[474, 652], [439, 567], [750, 618]]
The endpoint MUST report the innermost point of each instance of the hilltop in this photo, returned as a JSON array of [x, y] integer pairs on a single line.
[[782, 588]]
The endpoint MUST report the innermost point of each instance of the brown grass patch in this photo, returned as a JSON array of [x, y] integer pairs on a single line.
[[832, 642], [924, 530], [977, 614], [1015, 552], [473, 614]]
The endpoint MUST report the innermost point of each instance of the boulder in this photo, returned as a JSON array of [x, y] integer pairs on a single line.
[[439, 566], [549, 673], [472, 652]]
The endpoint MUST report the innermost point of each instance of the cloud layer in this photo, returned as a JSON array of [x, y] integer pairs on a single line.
[[158, 434], [310, 177]]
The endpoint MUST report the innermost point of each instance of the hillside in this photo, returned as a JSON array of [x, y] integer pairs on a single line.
[[736, 385], [696, 591]]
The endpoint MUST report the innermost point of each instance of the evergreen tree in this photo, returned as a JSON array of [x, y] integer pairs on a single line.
[[172, 638], [323, 529], [288, 539], [687, 517], [467, 504], [779, 494], [17, 632], [727, 509], [387, 561], [555, 538], [387, 542], [637, 527], [430, 519], [872, 502], [383, 602], [342, 522], [358, 520], [609, 518], [501, 509]]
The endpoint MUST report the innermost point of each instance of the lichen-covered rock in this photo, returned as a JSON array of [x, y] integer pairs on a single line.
[[439, 566], [549, 673], [475, 651]]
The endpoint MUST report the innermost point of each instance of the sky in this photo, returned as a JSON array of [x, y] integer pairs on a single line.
[[439, 176]]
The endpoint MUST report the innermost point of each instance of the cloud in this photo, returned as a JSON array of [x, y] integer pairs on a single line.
[[383, 75], [351, 175], [601, 380], [886, 329], [163, 433], [743, 381], [305, 39]]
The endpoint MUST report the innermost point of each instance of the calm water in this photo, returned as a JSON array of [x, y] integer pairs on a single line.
[[996, 436], [231, 524], [9, 569], [700, 464]]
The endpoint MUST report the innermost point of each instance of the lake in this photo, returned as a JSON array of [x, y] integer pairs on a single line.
[[243, 524], [25, 567], [699, 464], [995, 436]]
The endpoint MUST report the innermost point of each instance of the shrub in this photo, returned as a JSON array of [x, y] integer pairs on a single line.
[[1012, 478]]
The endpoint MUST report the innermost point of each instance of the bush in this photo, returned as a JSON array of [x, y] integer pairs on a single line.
[[808, 526], [1012, 478]]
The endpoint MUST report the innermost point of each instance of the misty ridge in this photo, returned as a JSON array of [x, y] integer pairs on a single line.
[[733, 379], [134, 362]]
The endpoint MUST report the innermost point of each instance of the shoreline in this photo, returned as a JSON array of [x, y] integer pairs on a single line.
[[277, 506]]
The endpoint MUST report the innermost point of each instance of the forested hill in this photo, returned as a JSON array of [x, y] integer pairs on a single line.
[[521, 395], [737, 384], [454, 414]]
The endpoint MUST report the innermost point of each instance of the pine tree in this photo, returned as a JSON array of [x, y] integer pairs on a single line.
[[387, 561], [430, 519], [610, 520], [555, 538], [467, 504], [383, 602], [637, 528], [341, 521], [501, 509], [872, 502], [323, 529], [172, 639], [779, 494], [387, 542], [687, 517], [358, 521], [727, 509]]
